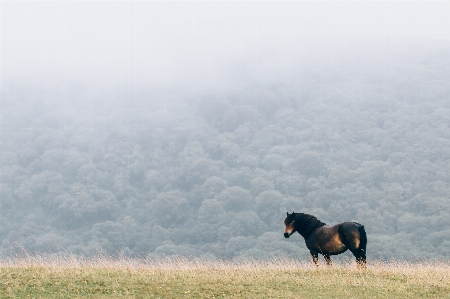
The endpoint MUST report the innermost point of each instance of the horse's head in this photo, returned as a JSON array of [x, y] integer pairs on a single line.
[[289, 225]]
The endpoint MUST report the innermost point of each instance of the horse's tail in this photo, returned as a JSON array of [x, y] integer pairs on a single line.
[[362, 241], [362, 238]]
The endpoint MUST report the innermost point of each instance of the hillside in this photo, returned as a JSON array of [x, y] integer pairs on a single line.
[[200, 173]]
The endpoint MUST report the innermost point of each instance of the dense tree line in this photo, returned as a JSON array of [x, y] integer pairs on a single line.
[[214, 173]]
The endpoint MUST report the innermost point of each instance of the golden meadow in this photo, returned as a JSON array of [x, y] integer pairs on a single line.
[[71, 276]]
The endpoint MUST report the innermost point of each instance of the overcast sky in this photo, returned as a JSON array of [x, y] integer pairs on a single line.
[[139, 44]]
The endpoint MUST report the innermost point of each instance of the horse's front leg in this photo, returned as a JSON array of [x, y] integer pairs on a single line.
[[315, 257], [328, 260]]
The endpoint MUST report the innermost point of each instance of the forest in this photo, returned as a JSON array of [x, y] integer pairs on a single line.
[[180, 170]]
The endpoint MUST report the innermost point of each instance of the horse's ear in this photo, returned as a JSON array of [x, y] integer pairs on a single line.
[[287, 213]]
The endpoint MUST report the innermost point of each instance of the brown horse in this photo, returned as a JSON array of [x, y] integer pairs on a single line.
[[328, 240]]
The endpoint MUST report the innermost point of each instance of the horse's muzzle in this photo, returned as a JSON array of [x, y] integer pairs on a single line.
[[286, 235]]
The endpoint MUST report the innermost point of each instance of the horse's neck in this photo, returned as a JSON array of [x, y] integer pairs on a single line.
[[309, 228]]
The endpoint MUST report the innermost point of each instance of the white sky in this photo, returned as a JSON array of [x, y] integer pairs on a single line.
[[154, 42]]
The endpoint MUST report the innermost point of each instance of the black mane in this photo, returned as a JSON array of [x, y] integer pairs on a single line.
[[305, 224]]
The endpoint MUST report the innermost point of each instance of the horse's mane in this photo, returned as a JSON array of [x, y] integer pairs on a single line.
[[305, 224]]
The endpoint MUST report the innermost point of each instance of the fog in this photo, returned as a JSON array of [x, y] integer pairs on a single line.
[[192, 127], [198, 44]]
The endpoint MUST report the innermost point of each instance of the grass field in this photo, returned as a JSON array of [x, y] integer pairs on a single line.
[[103, 277]]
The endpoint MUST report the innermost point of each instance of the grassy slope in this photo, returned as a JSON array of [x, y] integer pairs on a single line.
[[230, 281]]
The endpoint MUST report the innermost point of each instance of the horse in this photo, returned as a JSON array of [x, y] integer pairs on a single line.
[[328, 240]]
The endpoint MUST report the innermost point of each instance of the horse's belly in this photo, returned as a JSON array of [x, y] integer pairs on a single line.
[[336, 250], [334, 246]]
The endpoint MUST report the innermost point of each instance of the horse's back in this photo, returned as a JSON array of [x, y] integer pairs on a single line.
[[349, 225]]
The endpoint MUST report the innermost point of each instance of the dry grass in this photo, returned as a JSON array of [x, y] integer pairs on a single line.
[[71, 276]]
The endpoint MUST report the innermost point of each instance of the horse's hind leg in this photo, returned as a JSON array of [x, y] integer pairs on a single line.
[[361, 258], [328, 259], [360, 255]]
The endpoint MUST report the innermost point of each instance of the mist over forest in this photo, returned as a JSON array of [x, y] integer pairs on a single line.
[[205, 159]]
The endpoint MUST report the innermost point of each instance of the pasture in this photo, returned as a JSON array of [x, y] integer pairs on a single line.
[[104, 277]]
